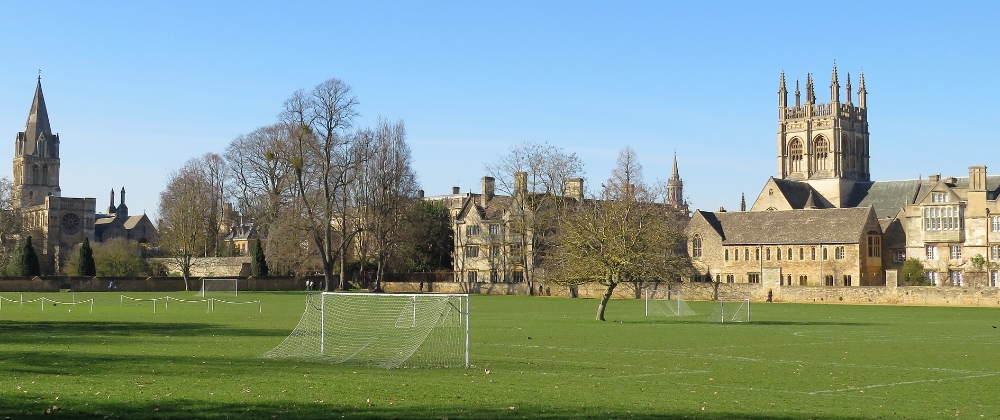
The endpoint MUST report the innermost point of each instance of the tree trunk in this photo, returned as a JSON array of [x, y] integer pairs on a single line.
[[604, 300]]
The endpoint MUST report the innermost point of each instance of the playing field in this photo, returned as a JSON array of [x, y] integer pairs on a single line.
[[534, 358]]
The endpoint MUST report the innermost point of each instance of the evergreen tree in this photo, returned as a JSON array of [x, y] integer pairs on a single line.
[[18, 266], [31, 259], [258, 263], [85, 265]]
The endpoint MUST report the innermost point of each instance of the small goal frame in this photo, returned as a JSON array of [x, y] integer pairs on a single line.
[[204, 281], [672, 295], [742, 303]]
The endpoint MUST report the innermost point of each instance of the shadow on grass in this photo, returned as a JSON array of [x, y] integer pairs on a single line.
[[51, 332], [14, 407]]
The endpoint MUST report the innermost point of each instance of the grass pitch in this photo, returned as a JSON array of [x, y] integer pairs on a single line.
[[534, 358]]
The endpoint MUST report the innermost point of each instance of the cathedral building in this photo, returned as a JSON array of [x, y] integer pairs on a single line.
[[57, 224], [949, 224]]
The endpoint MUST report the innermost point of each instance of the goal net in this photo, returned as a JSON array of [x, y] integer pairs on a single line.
[[226, 286], [665, 302], [737, 310], [387, 330]]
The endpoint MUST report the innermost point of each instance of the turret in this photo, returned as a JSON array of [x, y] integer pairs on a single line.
[[111, 206]]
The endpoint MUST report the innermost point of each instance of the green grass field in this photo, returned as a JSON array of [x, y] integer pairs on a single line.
[[546, 358]]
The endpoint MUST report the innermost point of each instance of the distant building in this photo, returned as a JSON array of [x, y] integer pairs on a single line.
[[58, 224]]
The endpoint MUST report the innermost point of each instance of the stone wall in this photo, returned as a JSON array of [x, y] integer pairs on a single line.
[[210, 267]]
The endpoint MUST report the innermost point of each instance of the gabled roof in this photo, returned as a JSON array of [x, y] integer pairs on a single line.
[[132, 221], [815, 226]]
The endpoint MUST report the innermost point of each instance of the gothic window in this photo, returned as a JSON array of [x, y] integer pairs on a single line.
[[34, 174], [696, 247], [795, 155], [45, 175], [822, 152]]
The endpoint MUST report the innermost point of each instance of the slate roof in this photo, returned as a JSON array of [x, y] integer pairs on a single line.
[[811, 226], [887, 197], [132, 221]]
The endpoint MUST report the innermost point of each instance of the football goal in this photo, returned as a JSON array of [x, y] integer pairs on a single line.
[[381, 329], [665, 302], [737, 310], [227, 286]]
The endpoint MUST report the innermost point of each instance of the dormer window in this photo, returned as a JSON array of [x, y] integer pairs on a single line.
[[939, 197]]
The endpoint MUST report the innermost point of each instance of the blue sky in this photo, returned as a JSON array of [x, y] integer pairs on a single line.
[[137, 88]]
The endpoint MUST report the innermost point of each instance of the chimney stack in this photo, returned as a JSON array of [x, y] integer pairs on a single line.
[[488, 188], [456, 190], [574, 189]]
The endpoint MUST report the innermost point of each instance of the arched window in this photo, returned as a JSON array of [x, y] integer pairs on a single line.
[[45, 175], [696, 247], [822, 153], [795, 155], [34, 174]]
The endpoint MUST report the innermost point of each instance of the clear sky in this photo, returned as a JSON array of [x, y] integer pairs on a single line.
[[136, 88]]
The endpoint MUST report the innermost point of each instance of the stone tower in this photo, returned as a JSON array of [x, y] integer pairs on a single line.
[[675, 189], [36, 157], [824, 144]]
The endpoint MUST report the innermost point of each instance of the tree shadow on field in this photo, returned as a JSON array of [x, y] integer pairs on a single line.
[[15, 406], [89, 332]]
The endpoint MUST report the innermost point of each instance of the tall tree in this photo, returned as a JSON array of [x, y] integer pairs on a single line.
[[85, 265], [387, 189], [10, 222], [31, 259], [536, 175], [430, 238], [262, 176], [323, 165], [258, 262], [186, 215], [624, 235]]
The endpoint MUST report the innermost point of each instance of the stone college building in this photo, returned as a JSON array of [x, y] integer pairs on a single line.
[[821, 221]]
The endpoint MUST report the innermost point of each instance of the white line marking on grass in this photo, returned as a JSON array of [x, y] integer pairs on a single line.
[[829, 391]]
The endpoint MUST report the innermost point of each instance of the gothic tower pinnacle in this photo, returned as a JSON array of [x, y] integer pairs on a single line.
[[834, 86]]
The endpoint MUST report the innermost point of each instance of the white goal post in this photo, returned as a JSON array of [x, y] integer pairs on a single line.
[[666, 302], [381, 329], [737, 310], [219, 285]]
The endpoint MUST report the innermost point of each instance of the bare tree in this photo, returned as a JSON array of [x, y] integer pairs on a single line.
[[622, 236], [322, 164], [185, 214], [539, 195], [387, 188], [262, 178]]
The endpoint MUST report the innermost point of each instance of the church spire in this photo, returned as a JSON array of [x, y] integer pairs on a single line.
[[38, 120], [675, 188]]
